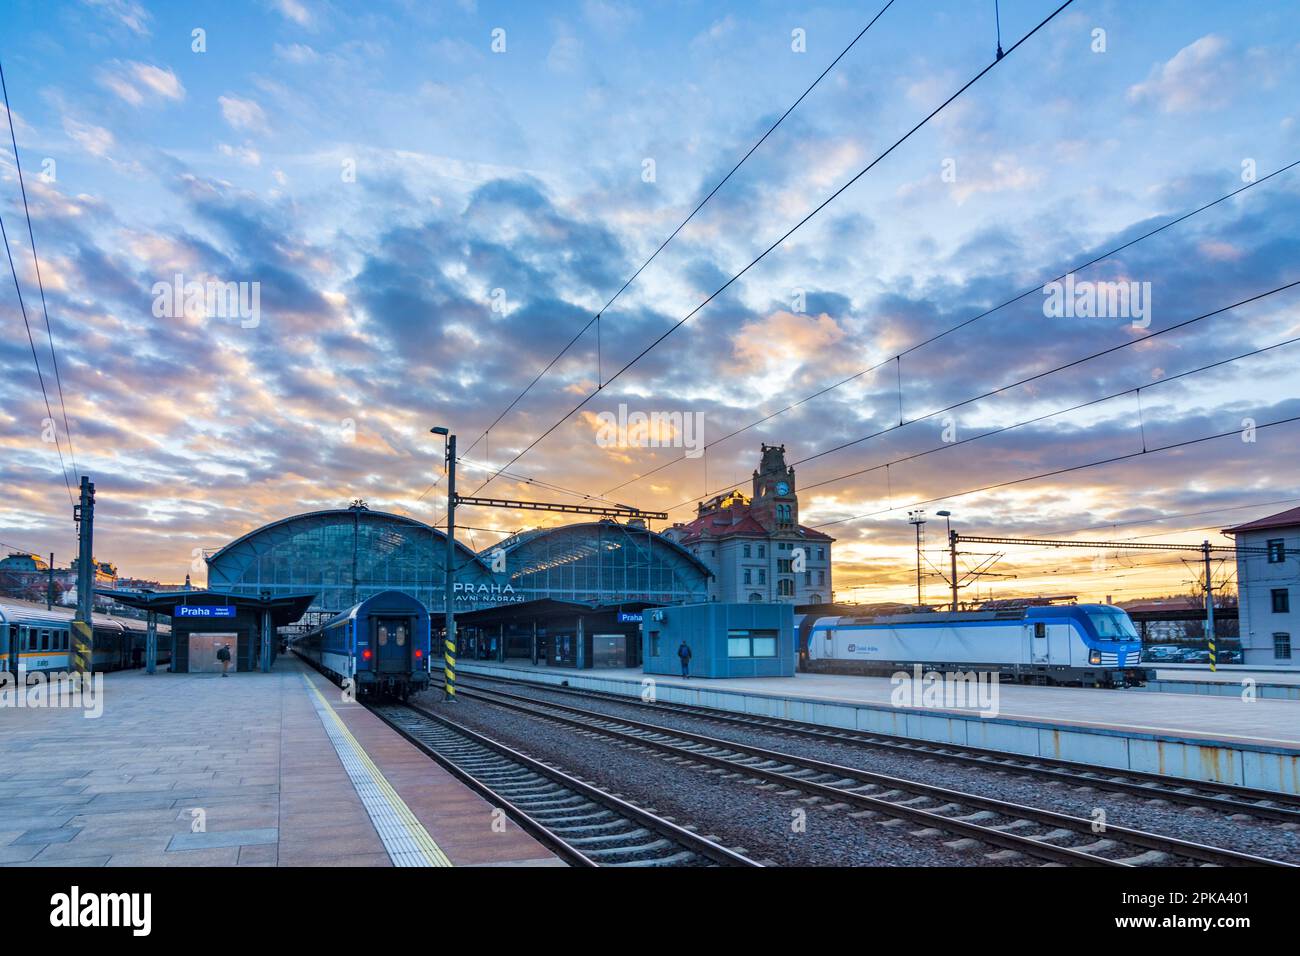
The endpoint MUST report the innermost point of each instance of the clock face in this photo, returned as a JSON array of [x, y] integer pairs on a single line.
[[782, 488]]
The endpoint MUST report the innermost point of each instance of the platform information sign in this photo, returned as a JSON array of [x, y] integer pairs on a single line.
[[204, 610]]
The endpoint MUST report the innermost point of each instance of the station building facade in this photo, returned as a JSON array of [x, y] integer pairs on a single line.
[[1268, 588], [754, 547]]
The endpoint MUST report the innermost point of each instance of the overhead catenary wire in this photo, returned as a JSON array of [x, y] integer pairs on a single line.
[[897, 358], [1058, 471], [595, 319], [40, 376], [40, 283], [1036, 376], [762, 255]]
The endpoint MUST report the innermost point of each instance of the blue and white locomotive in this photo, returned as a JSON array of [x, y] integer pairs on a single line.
[[380, 646], [1089, 644]]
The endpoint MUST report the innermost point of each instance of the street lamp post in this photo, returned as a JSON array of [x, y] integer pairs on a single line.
[[449, 640]]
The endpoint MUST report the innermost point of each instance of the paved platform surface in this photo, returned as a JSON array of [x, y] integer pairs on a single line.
[[250, 755], [1265, 723]]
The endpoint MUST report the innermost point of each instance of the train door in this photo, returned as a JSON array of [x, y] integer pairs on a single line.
[[392, 645], [1039, 650], [9, 648]]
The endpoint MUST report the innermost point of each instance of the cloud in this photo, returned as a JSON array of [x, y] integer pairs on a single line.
[[565, 54], [296, 11], [296, 53], [95, 140], [243, 114], [1199, 76], [243, 154], [136, 83], [126, 12]]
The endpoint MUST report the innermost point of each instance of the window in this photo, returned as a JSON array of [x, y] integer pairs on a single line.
[[807, 577], [821, 577], [762, 551], [654, 643], [746, 551], [762, 575], [783, 565], [785, 587], [1281, 601], [1276, 550], [1282, 647], [1112, 626], [748, 576], [751, 643], [821, 554], [45, 640], [755, 597]]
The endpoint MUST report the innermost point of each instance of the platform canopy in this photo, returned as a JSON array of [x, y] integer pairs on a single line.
[[284, 608], [542, 609]]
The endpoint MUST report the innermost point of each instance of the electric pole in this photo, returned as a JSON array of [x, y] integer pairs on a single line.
[[449, 641], [917, 518], [82, 625], [1209, 608], [952, 554]]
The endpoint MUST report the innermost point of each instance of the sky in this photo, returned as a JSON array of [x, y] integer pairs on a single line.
[[423, 203]]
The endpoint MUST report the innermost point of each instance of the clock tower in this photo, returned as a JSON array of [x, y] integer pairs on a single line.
[[775, 504]]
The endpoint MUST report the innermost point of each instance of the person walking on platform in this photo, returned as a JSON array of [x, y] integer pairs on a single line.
[[684, 653], [223, 655]]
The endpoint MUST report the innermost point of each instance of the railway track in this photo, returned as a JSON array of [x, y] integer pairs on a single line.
[[583, 824], [1223, 797], [1041, 834]]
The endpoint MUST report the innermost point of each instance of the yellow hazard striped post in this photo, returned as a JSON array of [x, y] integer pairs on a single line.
[[449, 669], [1214, 657], [82, 647]]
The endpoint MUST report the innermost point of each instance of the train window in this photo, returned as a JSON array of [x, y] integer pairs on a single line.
[[401, 635], [383, 635], [1040, 629], [45, 640]]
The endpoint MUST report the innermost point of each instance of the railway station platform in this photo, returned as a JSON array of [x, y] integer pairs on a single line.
[[1202, 737], [1229, 680], [260, 769]]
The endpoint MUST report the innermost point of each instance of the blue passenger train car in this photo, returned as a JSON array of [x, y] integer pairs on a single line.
[[380, 645], [1089, 644], [36, 639]]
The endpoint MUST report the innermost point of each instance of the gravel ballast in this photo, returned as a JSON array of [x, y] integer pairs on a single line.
[[1200, 825]]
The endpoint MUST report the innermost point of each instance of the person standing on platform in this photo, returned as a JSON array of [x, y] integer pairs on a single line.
[[223, 655], [684, 653]]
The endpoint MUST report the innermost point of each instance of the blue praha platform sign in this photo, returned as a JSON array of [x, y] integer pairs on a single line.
[[204, 610]]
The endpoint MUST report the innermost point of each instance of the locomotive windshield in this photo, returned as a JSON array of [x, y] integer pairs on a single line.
[[1113, 626]]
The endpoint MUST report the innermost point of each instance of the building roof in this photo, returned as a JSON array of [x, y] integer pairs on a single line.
[[736, 521], [1283, 519], [521, 538], [250, 541], [284, 610]]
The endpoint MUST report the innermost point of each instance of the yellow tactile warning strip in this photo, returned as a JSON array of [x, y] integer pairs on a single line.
[[407, 841]]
